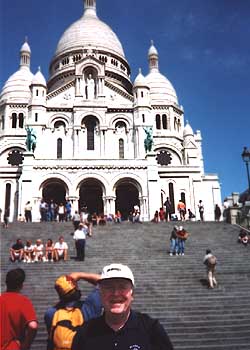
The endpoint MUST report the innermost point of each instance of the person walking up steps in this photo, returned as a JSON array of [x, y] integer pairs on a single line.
[[210, 261]]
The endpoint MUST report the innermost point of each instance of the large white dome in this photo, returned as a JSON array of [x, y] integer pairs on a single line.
[[89, 30]]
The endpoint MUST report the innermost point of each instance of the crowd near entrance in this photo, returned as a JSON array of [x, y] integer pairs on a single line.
[[127, 196], [54, 190], [90, 196]]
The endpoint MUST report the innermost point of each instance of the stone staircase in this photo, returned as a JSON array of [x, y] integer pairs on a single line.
[[172, 289]]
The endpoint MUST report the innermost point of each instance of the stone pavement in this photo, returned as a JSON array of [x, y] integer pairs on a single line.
[[173, 289]]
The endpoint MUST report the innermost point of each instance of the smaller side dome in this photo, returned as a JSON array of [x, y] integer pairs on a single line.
[[140, 80], [39, 78], [188, 131]]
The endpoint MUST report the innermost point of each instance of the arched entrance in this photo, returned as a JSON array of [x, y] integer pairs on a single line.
[[54, 189], [127, 195], [90, 196]]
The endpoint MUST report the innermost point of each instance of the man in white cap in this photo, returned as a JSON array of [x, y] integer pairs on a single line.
[[120, 327]]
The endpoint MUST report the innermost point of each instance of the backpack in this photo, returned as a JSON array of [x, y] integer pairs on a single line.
[[65, 324], [211, 261]]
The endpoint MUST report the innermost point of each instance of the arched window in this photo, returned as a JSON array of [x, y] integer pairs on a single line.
[[171, 196], [183, 198], [179, 124], [120, 127], [121, 149], [59, 148], [158, 121], [20, 120], [2, 122], [7, 198], [14, 120], [142, 94], [175, 123], [58, 124], [164, 122], [90, 124]]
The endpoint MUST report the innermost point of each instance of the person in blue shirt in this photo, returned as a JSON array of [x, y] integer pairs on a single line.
[[70, 296]]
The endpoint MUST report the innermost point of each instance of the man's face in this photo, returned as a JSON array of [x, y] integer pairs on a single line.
[[116, 295]]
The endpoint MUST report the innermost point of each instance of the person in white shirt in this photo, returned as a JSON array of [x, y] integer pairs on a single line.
[[61, 249], [29, 253], [39, 251], [80, 239]]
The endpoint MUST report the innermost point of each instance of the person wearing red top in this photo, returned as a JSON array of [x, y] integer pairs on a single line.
[[181, 207], [162, 214], [18, 321]]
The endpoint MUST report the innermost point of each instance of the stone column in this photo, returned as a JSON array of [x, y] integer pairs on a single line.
[[154, 191]]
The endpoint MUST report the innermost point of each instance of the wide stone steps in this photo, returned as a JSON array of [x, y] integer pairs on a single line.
[[172, 289]]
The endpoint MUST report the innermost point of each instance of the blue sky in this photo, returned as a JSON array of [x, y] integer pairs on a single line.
[[203, 50]]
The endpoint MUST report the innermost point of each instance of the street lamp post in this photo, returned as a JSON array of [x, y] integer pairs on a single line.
[[246, 158]]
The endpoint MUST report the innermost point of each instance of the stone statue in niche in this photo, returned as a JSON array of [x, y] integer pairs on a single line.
[[90, 88]]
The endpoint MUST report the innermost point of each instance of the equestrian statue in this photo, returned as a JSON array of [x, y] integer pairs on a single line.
[[148, 142], [31, 139]]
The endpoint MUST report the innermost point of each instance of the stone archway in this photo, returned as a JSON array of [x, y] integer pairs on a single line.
[[91, 196], [127, 195], [54, 189]]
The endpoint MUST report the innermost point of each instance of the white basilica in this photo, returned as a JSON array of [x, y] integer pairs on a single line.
[[91, 135]]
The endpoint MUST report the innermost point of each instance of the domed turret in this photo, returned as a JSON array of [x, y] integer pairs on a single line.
[[140, 80], [39, 78], [17, 87], [188, 131], [161, 90]]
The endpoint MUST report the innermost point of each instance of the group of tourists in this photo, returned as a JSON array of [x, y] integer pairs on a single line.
[[103, 320], [51, 211], [39, 252]]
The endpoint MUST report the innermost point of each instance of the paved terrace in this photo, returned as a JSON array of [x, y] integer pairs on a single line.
[[173, 289]]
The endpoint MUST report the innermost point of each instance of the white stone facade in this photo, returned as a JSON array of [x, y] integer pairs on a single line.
[[90, 123]]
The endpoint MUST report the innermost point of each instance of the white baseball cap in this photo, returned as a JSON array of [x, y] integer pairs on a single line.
[[117, 271]]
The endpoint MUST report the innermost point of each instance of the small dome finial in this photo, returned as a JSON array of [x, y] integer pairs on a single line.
[[153, 58], [90, 7]]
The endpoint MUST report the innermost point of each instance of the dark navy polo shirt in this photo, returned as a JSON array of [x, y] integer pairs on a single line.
[[140, 332]]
